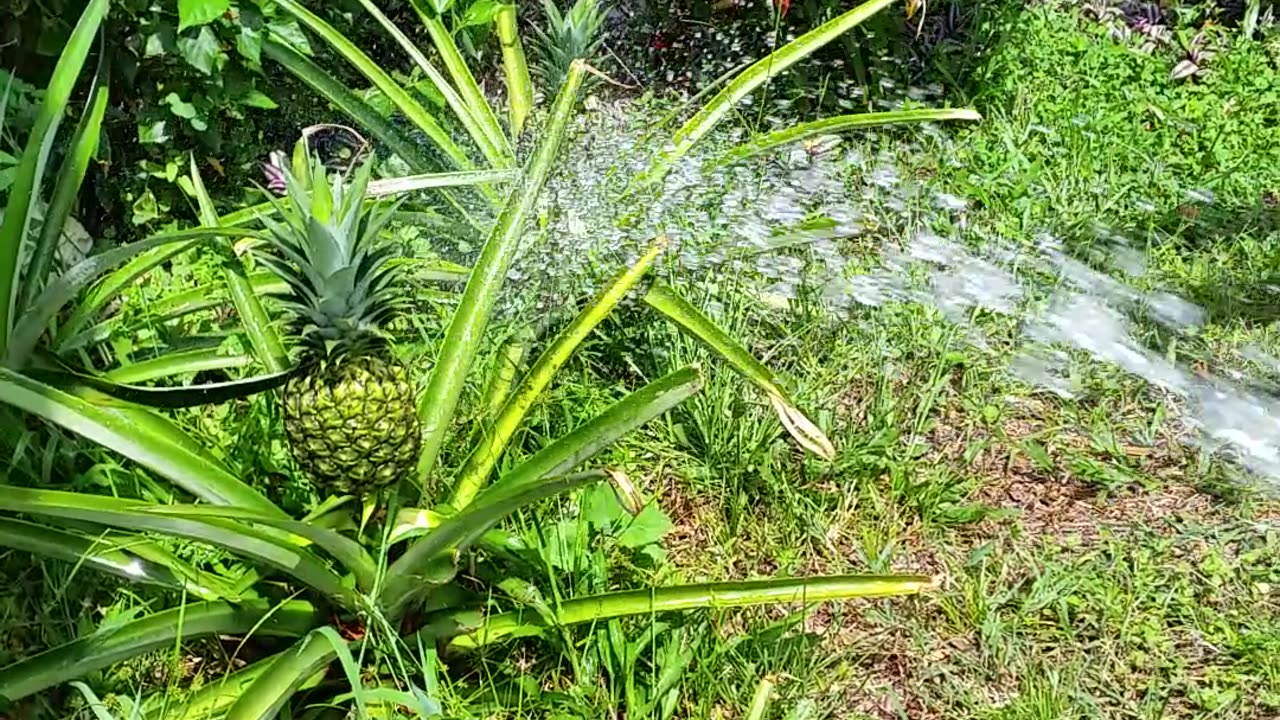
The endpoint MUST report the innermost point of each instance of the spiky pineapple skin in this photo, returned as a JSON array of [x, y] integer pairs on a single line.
[[353, 425]]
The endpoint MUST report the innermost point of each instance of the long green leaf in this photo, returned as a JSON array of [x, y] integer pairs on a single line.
[[489, 138], [24, 192], [93, 554], [79, 657], [178, 363], [826, 126], [753, 77], [67, 187], [376, 75], [144, 437], [458, 70], [273, 688], [345, 550], [335, 92], [620, 419], [481, 461], [139, 257], [410, 574], [515, 67], [170, 307], [667, 301], [387, 187], [239, 538], [175, 397], [130, 556], [693, 597], [258, 328], [213, 699], [525, 482], [466, 330]]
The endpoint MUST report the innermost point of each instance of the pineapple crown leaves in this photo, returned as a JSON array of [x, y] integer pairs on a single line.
[[326, 248], [568, 36]]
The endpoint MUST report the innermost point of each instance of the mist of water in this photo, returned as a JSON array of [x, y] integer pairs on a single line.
[[799, 226]]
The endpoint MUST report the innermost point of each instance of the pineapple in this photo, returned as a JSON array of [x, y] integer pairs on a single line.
[[350, 413]]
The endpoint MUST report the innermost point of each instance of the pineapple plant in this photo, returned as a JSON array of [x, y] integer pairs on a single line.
[[349, 412]]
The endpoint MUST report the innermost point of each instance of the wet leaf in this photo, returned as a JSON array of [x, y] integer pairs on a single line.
[[199, 12]]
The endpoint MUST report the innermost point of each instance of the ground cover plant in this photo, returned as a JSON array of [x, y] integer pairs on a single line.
[[1100, 559], [351, 414]]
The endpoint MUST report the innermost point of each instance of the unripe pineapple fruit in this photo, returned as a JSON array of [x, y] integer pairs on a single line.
[[353, 426], [350, 413]]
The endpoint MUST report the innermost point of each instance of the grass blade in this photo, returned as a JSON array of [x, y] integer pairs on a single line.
[[245, 540], [753, 77], [376, 75], [694, 597], [84, 143], [144, 437], [258, 328], [24, 192], [85, 655], [515, 67], [466, 329], [273, 688], [489, 138], [826, 126], [667, 301], [480, 463]]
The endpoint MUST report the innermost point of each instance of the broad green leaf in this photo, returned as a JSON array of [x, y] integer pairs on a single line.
[[144, 437], [173, 397], [772, 65], [267, 548], [374, 72], [827, 126], [467, 328], [249, 45], [171, 307], [480, 463], [619, 420], [647, 528], [67, 188], [214, 698], [514, 66], [489, 138], [667, 301], [199, 12], [24, 192], [263, 699], [80, 657], [693, 597], [203, 52]]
